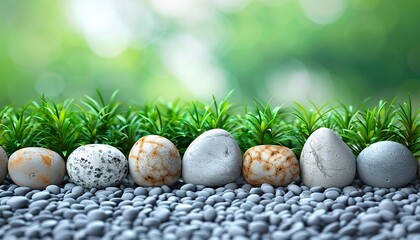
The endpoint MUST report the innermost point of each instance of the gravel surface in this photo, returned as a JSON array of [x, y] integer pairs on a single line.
[[187, 211]]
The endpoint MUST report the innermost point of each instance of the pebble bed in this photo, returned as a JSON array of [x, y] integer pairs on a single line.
[[187, 211]]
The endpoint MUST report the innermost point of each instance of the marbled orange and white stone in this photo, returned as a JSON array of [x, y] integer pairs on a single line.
[[272, 164], [36, 168], [154, 161]]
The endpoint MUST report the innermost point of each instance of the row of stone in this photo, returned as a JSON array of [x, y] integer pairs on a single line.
[[214, 159]]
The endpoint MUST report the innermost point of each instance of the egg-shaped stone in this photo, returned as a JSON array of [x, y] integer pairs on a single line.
[[3, 165], [386, 164], [272, 164], [154, 161], [36, 168], [213, 159], [97, 166], [326, 160]]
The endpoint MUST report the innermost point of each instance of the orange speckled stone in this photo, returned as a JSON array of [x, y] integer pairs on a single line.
[[272, 164], [36, 168], [3, 165], [154, 161]]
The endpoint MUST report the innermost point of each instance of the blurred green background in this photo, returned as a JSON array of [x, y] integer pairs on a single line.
[[282, 50]]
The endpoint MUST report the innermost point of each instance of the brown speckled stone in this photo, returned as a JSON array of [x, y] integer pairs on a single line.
[[272, 164]]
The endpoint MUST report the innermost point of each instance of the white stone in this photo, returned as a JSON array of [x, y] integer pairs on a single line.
[[36, 168], [326, 160], [154, 161], [97, 166], [3, 164], [386, 164], [213, 159]]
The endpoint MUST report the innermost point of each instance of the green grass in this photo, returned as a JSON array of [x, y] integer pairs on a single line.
[[67, 125]]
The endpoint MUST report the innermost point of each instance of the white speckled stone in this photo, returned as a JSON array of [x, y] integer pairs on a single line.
[[326, 160], [3, 164], [97, 166], [154, 161], [272, 164], [212, 159], [386, 164], [36, 168]]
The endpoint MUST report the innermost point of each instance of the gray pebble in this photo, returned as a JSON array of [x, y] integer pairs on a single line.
[[183, 207], [41, 196], [18, 202], [258, 227], [155, 191], [254, 198], [96, 214], [295, 189], [229, 196], [162, 214], [332, 194], [235, 230], [267, 188], [140, 191], [22, 191], [369, 228], [96, 228], [209, 214], [414, 227], [130, 214], [53, 189], [317, 196], [387, 205], [151, 222]]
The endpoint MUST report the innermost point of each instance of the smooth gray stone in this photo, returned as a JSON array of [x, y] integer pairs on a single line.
[[414, 227], [181, 193], [53, 189], [140, 191], [49, 223], [151, 222], [188, 187], [130, 214], [155, 191], [347, 190], [183, 207], [22, 191], [127, 196], [374, 217], [332, 227], [202, 161], [369, 227], [254, 198], [387, 205], [317, 196], [267, 188], [332, 194], [348, 230], [235, 230], [295, 189], [162, 214], [281, 207], [382, 163], [229, 196], [300, 235], [258, 227], [6, 194], [95, 228], [42, 204], [210, 214], [96, 214], [18, 202]]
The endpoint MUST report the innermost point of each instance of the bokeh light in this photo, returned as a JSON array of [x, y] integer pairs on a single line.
[[281, 50]]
